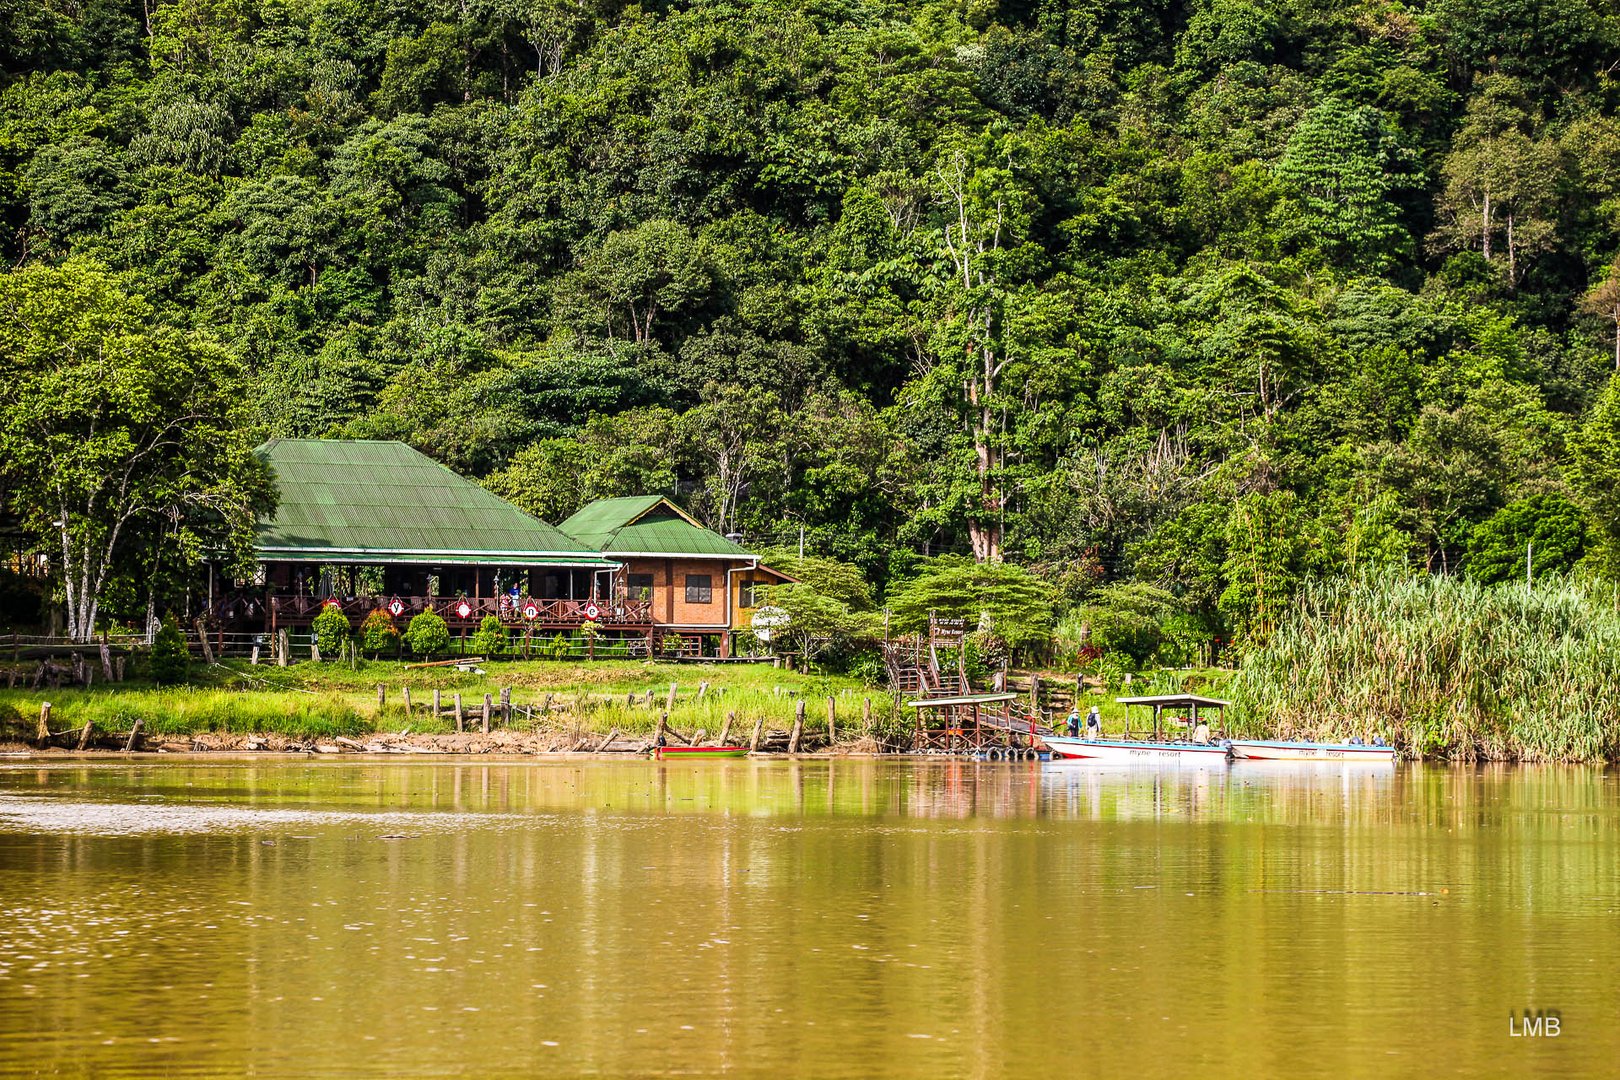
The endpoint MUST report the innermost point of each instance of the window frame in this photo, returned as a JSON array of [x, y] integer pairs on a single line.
[[704, 594], [635, 583]]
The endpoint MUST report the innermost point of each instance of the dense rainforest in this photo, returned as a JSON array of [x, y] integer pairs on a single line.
[[1174, 305]]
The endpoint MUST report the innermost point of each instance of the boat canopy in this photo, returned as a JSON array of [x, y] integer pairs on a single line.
[[1175, 701]]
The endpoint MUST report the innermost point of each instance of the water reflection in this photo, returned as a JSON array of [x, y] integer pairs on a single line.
[[820, 917]]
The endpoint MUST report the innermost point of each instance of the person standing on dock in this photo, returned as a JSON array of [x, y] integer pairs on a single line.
[[1093, 724]]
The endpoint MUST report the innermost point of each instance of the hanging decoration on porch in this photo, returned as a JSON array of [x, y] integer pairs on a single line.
[[396, 607], [531, 610], [464, 609]]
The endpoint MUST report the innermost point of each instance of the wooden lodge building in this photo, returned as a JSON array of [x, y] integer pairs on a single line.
[[367, 525]]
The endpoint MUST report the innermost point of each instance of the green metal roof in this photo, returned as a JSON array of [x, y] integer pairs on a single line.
[[647, 525], [384, 502]]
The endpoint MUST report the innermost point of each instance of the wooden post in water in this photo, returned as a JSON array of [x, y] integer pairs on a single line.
[[798, 727], [488, 703], [832, 720], [84, 736], [134, 736], [458, 712], [866, 716], [725, 729], [759, 733], [43, 734]]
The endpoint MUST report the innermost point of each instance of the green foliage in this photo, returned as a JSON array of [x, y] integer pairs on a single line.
[[1211, 298], [427, 634], [490, 639], [379, 636], [1129, 618], [811, 623], [1442, 666], [169, 659], [1552, 528], [331, 630], [1000, 598]]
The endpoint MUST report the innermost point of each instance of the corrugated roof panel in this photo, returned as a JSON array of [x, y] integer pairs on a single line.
[[385, 497], [647, 524]]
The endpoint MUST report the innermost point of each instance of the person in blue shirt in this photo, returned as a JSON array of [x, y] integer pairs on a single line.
[[1071, 726]]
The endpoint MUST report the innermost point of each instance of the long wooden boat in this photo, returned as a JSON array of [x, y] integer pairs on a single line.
[[683, 753], [1282, 750], [1125, 751]]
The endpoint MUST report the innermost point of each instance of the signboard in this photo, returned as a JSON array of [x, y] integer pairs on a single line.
[[592, 611], [943, 631], [464, 609], [766, 621], [531, 610], [396, 607]]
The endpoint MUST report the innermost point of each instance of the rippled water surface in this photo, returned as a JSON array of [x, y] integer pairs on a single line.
[[825, 919]]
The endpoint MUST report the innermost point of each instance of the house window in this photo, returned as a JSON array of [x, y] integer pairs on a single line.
[[748, 596], [638, 586], [699, 589]]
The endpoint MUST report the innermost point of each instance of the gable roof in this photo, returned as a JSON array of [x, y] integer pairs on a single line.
[[384, 502], [647, 525]]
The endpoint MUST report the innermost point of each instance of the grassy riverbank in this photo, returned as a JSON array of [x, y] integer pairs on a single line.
[[330, 700], [1443, 667]]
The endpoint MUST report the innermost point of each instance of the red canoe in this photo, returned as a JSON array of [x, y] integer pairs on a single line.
[[670, 752]]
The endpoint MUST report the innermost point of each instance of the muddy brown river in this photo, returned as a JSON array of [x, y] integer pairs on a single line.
[[846, 918]]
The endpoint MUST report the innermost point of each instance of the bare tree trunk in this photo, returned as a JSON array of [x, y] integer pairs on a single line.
[[1485, 226]]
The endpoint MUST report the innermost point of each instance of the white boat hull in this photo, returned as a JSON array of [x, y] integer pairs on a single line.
[[1119, 751], [1265, 750]]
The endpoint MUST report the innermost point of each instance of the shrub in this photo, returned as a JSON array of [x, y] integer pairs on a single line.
[[170, 660], [490, 640], [331, 629], [428, 634], [378, 634]]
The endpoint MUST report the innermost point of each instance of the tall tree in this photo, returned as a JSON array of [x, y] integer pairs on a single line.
[[110, 427]]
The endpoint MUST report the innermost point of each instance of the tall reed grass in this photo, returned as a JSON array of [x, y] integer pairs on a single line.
[[1443, 667]]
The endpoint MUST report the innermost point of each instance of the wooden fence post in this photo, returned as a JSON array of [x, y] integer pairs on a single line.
[[283, 647], [405, 691], [866, 717], [207, 649], [84, 736], [43, 735], [832, 720], [725, 729], [458, 712], [436, 699], [669, 706], [703, 688], [382, 698], [759, 733], [134, 736], [118, 668], [798, 727], [106, 659], [506, 705], [488, 702]]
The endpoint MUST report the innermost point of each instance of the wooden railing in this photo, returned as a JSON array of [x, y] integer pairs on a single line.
[[456, 610]]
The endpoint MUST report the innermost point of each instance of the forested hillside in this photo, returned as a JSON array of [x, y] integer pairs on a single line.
[[1212, 296]]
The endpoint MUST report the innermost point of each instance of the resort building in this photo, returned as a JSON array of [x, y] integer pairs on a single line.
[[367, 525], [700, 585]]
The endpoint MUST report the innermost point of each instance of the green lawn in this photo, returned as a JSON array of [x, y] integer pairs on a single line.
[[307, 699]]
